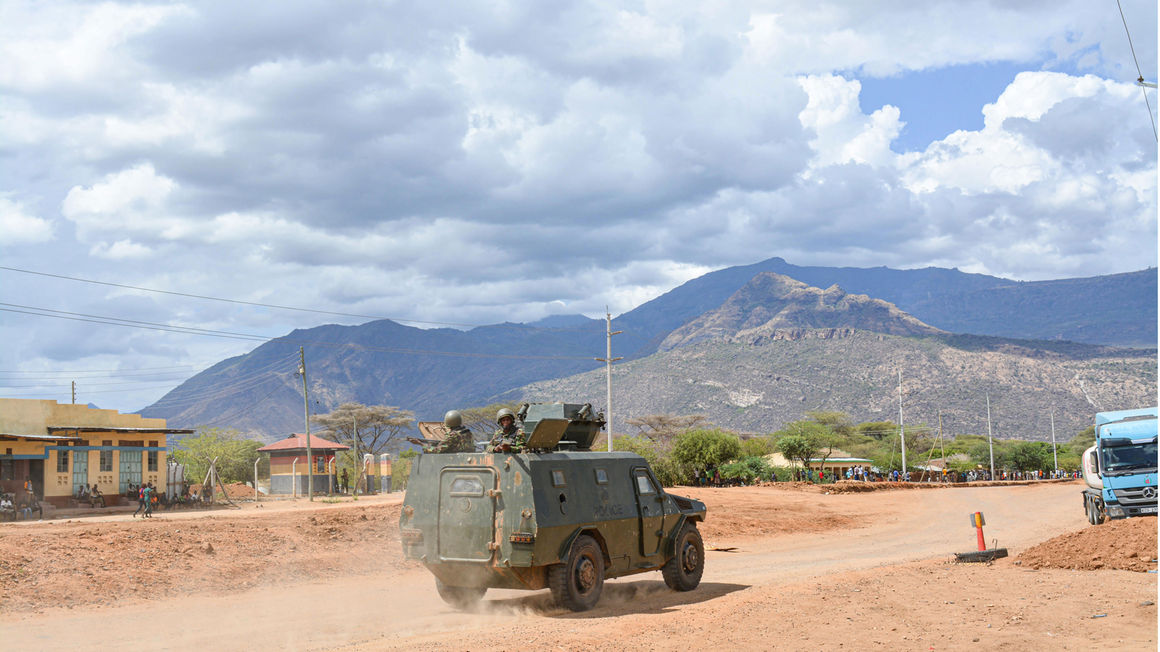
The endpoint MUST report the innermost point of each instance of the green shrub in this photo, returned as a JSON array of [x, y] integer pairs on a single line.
[[748, 470]]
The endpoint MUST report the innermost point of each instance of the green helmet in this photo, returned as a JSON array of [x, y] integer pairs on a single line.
[[505, 413], [453, 419]]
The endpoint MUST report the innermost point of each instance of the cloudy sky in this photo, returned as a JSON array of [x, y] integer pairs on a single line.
[[480, 162]]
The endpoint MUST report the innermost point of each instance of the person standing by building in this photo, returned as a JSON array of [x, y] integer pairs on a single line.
[[140, 500], [147, 498]]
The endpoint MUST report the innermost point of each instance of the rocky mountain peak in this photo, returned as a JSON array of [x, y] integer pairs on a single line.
[[774, 306]]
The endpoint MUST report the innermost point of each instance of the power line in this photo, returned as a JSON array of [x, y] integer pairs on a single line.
[[1139, 73], [113, 321], [276, 306], [190, 330], [94, 371]]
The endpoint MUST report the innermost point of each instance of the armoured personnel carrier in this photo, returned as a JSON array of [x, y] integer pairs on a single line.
[[555, 515]]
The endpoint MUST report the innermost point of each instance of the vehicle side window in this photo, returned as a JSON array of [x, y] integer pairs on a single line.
[[601, 476], [643, 484], [558, 478]]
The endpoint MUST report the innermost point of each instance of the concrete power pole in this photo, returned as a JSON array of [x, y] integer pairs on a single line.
[[1054, 452], [901, 429], [990, 443], [608, 360], [306, 405], [74, 392]]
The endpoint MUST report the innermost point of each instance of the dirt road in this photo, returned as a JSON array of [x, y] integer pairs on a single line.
[[810, 570]]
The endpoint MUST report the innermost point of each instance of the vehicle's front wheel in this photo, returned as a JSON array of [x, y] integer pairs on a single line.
[[463, 598], [683, 571], [577, 583]]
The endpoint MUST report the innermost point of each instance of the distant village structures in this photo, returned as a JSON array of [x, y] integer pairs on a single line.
[[289, 467], [60, 448]]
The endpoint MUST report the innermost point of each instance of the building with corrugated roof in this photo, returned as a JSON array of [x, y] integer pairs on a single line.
[[59, 448]]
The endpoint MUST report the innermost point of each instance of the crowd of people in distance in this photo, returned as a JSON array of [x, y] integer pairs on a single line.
[[859, 473]]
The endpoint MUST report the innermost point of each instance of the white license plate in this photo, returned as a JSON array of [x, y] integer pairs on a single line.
[[1147, 510]]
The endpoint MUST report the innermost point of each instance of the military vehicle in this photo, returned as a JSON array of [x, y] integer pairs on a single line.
[[555, 515]]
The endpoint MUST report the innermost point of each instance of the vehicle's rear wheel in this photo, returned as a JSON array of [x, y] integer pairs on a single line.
[[683, 572], [460, 597], [577, 583]]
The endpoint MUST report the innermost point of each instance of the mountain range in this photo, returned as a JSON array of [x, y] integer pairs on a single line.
[[746, 314]]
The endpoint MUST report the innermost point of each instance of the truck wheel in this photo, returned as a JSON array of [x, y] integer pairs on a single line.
[[460, 597], [577, 583], [683, 571]]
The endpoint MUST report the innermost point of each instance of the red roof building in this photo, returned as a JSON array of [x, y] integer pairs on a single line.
[[289, 465], [298, 441]]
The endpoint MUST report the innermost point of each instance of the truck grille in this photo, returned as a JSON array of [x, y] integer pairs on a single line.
[[1136, 496]]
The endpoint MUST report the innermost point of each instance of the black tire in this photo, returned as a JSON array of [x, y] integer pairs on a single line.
[[683, 572], [1093, 514], [578, 582], [981, 555], [463, 598]]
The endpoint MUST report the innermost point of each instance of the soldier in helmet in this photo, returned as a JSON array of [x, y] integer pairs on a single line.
[[509, 438], [458, 440]]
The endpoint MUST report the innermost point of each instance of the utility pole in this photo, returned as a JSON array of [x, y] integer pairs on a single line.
[[74, 392], [990, 444], [306, 406], [357, 459], [942, 442], [1054, 452], [608, 360], [901, 428]]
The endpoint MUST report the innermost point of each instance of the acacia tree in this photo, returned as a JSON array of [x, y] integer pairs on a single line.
[[366, 429], [664, 427], [803, 441], [481, 420], [234, 453]]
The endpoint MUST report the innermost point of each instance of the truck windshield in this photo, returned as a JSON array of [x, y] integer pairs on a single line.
[[1133, 458]]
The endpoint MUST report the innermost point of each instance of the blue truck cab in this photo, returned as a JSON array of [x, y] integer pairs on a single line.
[[1120, 469]]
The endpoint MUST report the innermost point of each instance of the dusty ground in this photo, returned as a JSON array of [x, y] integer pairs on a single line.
[[810, 568]]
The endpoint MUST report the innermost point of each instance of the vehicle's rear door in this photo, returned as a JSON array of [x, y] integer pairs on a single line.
[[466, 514]]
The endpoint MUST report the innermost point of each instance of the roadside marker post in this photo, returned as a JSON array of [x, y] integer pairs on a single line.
[[982, 554]]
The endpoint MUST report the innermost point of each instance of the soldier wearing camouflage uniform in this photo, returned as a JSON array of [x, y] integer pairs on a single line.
[[458, 439], [509, 438]]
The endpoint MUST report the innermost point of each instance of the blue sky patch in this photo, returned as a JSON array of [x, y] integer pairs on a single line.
[[937, 102]]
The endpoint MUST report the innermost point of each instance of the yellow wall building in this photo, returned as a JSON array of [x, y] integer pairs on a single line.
[[61, 447]]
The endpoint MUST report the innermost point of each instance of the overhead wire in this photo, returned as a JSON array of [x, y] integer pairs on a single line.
[[1139, 73], [593, 326], [230, 415], [275, 369], [190, 330]]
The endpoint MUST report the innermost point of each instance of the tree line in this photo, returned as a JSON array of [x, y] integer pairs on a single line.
[[677, 447]]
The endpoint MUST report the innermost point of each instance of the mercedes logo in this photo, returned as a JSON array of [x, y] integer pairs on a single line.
[[1149, 492]]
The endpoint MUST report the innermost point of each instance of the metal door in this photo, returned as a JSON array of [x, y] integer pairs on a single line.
[[651, 505], [80, 471], [466, 514], [130, 470]]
